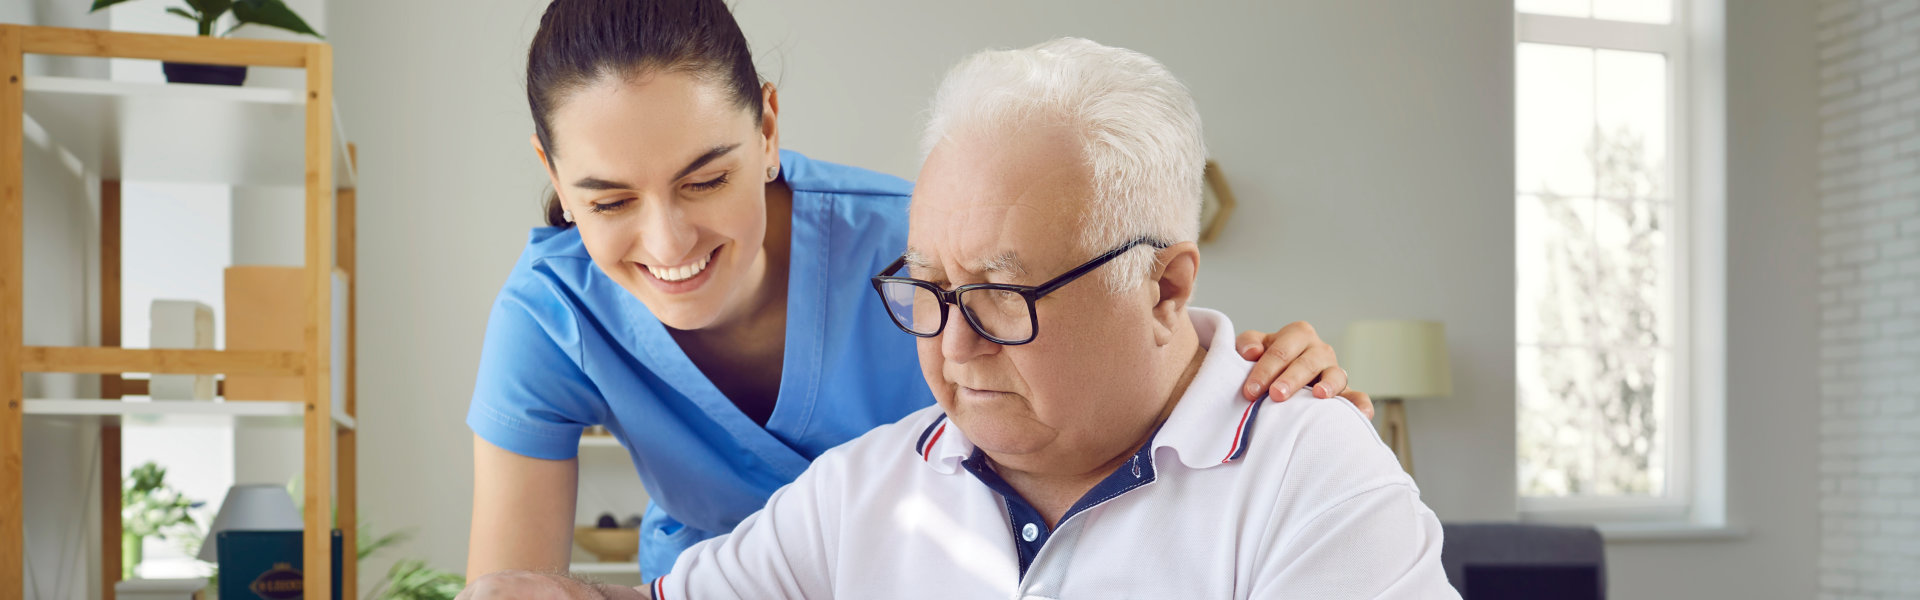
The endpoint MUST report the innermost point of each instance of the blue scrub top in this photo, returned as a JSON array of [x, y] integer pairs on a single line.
[[566, 348]]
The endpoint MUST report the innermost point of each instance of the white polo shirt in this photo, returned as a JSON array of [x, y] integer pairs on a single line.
[[1308, 504]]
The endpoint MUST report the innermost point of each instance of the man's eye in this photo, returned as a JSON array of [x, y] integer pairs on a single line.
[[710, 184], [606, 207]]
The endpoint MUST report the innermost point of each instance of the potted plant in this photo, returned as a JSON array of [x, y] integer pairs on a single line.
[[149, 507], [205, 13]]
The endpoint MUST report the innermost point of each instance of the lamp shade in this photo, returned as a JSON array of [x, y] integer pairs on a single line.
[[1398, 359], [254, 507]]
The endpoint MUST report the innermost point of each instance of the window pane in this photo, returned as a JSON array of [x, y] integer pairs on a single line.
[[1642, 11], [1592, 421], [1632, 294], [1555, 119], [1564, 8], [1554, 271], [1629, 149]]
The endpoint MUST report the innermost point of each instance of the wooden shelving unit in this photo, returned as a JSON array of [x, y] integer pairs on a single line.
[[94, 119]]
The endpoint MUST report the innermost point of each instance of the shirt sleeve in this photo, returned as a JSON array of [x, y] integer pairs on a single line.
[[783, 551], [1348, 521], [1382, 543], [531, 396]]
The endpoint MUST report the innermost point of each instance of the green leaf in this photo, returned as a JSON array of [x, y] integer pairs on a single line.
[[99, 4], [271, 13], [182, 12], [211, 8]]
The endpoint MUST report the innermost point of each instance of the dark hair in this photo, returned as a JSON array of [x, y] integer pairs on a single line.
[[581, 41]]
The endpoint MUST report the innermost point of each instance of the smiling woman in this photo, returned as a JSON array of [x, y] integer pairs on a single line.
[[698, 291]]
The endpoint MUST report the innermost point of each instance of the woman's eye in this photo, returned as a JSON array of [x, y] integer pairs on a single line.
[[606, 207], [710, 184]]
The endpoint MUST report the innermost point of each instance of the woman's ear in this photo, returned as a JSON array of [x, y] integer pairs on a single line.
[[540, 152], [770, 121], [1178, 267]]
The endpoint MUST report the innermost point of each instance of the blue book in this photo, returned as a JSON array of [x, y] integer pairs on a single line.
[[266, 565]]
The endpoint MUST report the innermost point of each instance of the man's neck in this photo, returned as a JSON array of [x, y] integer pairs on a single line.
[[1053, 494]]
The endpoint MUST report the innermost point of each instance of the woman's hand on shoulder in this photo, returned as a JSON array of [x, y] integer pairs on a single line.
[[1291, 359]]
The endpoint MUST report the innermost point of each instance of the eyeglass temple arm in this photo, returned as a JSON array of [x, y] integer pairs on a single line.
[[1068, 277]]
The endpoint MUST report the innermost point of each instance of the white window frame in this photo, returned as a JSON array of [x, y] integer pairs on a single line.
[[1693, 43]]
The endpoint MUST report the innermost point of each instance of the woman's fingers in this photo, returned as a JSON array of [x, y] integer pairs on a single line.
[[1251, 344], [1302, 371], [1360, 400], [1280, 357], [1333, 379]]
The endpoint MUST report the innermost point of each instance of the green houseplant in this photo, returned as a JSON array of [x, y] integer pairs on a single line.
[[206, 14], [149, 507]]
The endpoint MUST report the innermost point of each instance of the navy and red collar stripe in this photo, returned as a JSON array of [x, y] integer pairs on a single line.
[[924, 447]]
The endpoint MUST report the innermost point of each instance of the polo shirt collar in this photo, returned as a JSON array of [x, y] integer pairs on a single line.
[[1208, 428]]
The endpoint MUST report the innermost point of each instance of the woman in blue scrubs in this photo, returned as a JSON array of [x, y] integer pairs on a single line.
[[699, 292]]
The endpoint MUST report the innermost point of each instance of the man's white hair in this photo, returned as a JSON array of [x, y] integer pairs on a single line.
[[1139, 129]]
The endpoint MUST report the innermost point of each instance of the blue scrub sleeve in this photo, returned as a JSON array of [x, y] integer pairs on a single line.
[[531, 396]]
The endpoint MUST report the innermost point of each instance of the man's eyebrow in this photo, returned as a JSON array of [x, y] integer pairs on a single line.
[[915, 260], [1004, 262], [596, 183]]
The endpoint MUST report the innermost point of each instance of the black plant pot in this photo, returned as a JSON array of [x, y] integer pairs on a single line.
[[207, 74]]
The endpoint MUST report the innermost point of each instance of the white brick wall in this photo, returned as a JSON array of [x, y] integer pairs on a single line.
[[1870, 298]]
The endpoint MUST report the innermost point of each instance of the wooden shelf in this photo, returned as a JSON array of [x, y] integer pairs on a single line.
[[127, 131], [180, 412], [177, 132], [81, 359]]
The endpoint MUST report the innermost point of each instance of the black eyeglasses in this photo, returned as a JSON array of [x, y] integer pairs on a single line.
[[1000, 312]]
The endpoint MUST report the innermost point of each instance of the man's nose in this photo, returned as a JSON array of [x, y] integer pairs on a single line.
[[959, 342]]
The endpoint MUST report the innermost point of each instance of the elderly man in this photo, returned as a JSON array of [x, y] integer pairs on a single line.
[[1089, 439]]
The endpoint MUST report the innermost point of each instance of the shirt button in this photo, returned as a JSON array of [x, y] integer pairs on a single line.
[[1030, 532]]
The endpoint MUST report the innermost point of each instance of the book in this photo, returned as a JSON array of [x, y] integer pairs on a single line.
[[266, 565]]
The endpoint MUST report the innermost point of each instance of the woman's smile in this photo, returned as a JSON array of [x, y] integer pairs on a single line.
[[683, 278]]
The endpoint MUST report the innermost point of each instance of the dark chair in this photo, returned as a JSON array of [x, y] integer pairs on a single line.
[[1520, 545]]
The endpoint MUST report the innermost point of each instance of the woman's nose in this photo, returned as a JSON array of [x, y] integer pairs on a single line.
[[666, 234]]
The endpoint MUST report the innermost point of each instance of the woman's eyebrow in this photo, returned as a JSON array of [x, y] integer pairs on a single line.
[[596, 183], [716, 152]]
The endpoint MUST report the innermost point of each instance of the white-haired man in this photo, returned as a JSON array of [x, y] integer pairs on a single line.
[[1089, 439]]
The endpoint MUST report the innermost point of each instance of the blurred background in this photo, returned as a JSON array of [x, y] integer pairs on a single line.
[[1675, 246]]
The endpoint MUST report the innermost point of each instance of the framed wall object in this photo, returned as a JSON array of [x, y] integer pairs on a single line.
[[1216, 203]]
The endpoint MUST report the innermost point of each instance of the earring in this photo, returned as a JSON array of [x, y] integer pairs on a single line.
[[566, 215], [773, 172]]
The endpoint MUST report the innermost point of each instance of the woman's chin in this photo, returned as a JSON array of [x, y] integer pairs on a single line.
[[689, 312]]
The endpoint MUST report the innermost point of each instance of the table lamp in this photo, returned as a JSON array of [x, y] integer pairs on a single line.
[[252, 507], [1394, 361]]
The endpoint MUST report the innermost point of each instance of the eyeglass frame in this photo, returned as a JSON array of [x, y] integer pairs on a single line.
[[1031, 294]]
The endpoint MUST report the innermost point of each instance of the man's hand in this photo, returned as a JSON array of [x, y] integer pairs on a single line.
[[519, 585], [1293, 358]]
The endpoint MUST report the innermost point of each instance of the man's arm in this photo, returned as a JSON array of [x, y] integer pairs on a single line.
[[530, 585], [784, 550], [1382, 543]]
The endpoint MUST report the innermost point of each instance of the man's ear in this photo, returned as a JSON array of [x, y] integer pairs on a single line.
[[770, 121], [540, 152], [1178, 268]]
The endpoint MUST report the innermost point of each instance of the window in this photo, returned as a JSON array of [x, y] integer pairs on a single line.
[[1606, 267]]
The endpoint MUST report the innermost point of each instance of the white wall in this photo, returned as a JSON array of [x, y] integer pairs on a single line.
[[1870, 298], [1771, 320], [1370, 144]]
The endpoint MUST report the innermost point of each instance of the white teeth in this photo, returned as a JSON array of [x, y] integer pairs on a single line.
[[681, 273]]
